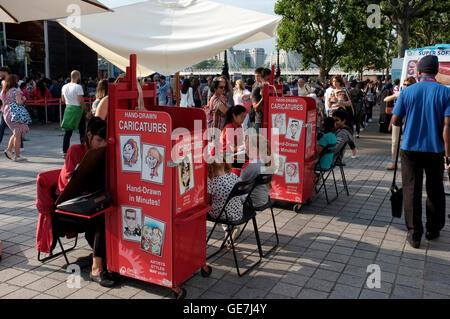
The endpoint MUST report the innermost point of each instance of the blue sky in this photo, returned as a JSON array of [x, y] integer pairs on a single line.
[[265, 6]]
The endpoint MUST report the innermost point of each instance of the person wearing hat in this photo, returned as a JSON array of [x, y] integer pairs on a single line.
[[425, 147]]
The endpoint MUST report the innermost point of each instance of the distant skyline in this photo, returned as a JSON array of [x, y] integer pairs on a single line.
[[264, 6]]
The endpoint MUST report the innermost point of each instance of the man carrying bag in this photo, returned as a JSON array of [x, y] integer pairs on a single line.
[[426, 109], [72, 95]]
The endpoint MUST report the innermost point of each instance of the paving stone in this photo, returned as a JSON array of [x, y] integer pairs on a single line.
[[320, 285], [351, 280], [344, 292], [370, 294], [312, 294], [286, 289], [21, 293], [407, 292]]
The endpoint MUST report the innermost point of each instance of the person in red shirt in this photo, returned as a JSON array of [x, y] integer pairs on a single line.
[[39, 93], [232, 134], [95, 232]]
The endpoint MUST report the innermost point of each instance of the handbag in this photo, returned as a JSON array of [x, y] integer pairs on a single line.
[[396, 192], [72, 117], [19, 113]]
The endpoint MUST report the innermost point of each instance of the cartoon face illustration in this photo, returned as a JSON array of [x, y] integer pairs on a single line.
[[186, 173], [146, 237], [153, 161], [156, 240], [130, 220], [291, 170], [279, 121], [294, 127], [130, 152]]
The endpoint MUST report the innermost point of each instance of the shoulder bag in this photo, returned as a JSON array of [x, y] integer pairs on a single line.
[[19, 113], [396, 193]]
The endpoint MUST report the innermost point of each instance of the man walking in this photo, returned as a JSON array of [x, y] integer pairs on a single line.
[[426, 108], [74, 117]]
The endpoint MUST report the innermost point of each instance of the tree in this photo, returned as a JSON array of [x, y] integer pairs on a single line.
[[245, 65], [313, 28], [404, 13], [207, 64], [430, 30], [370, 47]]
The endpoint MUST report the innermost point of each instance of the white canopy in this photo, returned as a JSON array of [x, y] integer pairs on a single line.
[[16, 11], [168, 37]]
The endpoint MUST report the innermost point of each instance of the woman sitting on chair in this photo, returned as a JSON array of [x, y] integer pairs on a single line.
[[95, 232]]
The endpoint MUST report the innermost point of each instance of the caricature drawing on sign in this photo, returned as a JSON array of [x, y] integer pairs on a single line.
[[153, 232], [292, 174], [280, 160], [131, 223], [153, 168], [146, 240], [130, 155], [279, 122], [156, 241], [130, 152], [186, 174], [294, 130]]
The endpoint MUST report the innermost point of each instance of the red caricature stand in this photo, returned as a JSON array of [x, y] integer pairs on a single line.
[[157, 229], [292, 129]]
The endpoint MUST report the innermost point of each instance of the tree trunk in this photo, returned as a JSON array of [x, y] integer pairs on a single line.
[[402, 36]]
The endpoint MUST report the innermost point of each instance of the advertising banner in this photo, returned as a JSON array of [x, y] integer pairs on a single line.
[[287, 129], [412, 58], [143, 220]]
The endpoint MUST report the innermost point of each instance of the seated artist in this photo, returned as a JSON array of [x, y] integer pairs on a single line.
[[95, 228]]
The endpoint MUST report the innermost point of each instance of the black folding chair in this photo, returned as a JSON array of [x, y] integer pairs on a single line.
[[241, 188], [323, 173], [340, 163], [264, 179]]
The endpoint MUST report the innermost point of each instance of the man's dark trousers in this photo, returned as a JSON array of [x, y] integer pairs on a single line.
[[413, 166]]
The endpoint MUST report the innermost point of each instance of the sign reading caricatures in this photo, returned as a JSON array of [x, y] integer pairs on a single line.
[[292, 128], [143, 179]]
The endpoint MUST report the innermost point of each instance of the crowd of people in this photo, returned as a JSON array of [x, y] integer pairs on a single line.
[[344, 109]]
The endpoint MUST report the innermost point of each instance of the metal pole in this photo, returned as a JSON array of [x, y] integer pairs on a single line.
[[4, 41], [47, 57], [25, 60]]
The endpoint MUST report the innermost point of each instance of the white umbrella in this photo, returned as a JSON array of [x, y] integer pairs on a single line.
[[17, 11], [170, 36]]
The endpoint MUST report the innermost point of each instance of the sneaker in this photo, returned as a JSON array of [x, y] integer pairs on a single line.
[[8, 154], [361, 129], [102, 279], [391, 168], [357, 135], [20, 159], [370, 120]]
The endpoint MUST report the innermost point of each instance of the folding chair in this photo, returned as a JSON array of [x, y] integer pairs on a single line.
[[324, 173], [340, 163], [264, 179], [241, 188]]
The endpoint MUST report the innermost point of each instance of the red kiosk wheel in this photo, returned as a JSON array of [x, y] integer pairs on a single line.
[[206, 271], [179, 293]]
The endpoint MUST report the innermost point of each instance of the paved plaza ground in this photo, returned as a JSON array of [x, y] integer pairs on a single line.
[[324, 250]]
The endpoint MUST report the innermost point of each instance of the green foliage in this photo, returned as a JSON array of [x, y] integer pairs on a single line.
[[312, 28], [245, 65], [208, 64]]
